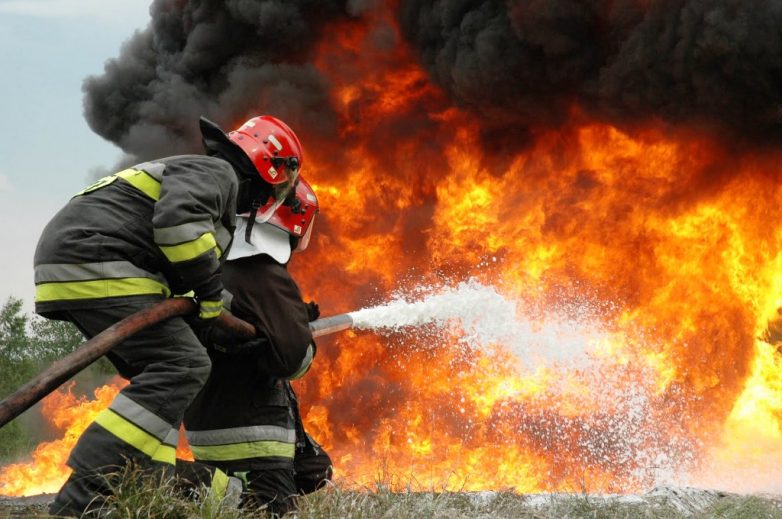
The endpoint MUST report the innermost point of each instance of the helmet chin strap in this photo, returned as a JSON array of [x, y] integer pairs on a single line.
[[259, 195], [256, 204]]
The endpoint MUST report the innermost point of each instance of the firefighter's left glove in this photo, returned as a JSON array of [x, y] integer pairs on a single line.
[[313, 311], [226, 342]]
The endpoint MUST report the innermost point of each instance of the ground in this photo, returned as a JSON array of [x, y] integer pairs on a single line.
[[661, 502]]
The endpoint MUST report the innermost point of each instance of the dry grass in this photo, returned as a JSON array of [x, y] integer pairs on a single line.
[[336, 502], [138, 495]]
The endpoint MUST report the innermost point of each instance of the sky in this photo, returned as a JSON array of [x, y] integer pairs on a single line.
[[47, 150]]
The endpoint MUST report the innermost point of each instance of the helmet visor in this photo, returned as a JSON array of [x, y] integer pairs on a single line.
[[280, 192]]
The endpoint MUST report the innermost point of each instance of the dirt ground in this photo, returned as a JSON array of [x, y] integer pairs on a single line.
[[33, 506]]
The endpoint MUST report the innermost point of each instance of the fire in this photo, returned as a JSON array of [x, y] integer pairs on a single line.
[[659, 245], [68, 414], [666, 235]]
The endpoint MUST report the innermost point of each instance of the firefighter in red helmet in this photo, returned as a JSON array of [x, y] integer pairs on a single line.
[[130, 240], [246, 421]]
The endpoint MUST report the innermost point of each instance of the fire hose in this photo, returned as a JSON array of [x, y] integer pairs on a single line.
[[62, 370]]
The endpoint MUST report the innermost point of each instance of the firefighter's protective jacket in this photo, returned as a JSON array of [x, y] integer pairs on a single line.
[[245, 417], [149, 231]]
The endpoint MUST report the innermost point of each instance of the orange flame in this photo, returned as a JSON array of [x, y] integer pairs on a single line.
[[666, 238], [69, 414], [666, 235]]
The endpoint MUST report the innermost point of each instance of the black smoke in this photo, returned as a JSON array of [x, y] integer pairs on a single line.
[[714, 64], [709, 63], [224, 59]]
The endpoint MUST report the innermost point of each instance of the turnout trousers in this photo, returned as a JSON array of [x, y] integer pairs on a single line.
[[166, 366], [249, 426]]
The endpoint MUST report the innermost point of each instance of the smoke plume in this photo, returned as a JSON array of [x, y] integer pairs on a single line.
[[221, 59], [709, 63]]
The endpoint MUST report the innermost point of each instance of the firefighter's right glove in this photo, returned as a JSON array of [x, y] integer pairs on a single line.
[[209, 309], [209, 296], [208, 312]]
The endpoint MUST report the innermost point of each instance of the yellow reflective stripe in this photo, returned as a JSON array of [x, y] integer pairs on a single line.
[[210, 309], [103, 182], [191, 249], [165, 454], [243, 451], [99, 288], [142, 181], [133, 435]]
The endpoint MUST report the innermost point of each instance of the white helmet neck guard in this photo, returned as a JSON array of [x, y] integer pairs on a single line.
[[266, 239]]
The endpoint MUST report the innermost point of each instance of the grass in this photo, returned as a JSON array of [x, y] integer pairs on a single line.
[[137, 495], [336, 502]]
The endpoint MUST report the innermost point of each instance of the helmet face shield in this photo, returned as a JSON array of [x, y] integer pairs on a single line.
[[267, 211], [295, 213], [281, 191]]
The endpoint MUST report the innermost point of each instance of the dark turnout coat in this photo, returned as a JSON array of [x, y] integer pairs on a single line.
[[146, 232], [245, 417], [130, 239]]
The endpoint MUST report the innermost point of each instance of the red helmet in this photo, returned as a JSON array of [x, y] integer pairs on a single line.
[[296, 215], [276, 153], [273, 148]]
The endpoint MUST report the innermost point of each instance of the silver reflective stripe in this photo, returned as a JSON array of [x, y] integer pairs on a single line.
[[182, 233], [242, 434], [140, 416], [153, 169], [53, 272], [305, 364], [172, 438], [227, 298], [223, 237]]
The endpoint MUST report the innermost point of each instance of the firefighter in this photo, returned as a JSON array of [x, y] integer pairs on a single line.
[[246, 421], [132, 239]]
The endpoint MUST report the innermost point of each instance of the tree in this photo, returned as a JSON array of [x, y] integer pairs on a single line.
[[15, 359], [26, 347], [52, 340], [15, 368]]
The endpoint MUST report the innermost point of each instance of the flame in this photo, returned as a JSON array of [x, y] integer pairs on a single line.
[[658, 245], [69, 415], [666, 235]]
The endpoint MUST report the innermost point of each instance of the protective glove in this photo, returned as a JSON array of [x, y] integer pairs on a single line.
[[252, 347], [228, 343], [209, 309], [313, 311]]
